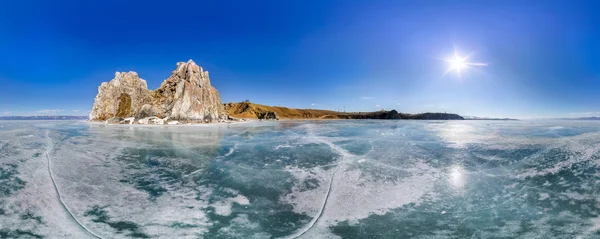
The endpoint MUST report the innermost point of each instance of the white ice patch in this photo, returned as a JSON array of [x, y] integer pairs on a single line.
[[351, 195], [303, 200], [580, 153], [354, 197], [223, 207]]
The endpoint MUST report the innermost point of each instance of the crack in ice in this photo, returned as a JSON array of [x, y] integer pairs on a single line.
[[60, 200], [342, 153], [321, 210]]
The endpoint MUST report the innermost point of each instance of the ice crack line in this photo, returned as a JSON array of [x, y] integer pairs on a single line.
[[344, 154], [316, 219], [60, 200]]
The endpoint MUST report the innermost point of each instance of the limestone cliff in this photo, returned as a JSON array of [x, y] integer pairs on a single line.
[[185, 96]]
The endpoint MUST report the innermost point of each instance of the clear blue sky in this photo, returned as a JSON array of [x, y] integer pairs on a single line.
[[543, 56]]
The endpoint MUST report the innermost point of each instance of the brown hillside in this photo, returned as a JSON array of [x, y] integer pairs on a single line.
[[252, 110]]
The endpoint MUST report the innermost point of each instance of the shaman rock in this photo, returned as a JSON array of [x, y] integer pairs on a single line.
[[186, 96]]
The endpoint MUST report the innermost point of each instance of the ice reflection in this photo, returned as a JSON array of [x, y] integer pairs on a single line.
[[459, 134], [457, 176]]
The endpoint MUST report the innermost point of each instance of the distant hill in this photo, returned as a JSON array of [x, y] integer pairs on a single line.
[[44, 117], [258, 111], [579, 118], [252, 110]]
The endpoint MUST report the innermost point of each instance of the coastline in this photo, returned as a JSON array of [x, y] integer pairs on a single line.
[[248, 109], [103, 123], [249, 121]]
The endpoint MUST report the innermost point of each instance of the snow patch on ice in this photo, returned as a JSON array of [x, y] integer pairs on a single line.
[[223, 207]]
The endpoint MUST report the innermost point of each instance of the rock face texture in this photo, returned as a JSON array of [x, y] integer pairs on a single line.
[[121, 97], [186, 96]]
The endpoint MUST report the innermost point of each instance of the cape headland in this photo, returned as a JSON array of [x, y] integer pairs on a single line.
[[249, 110], [188, 97]]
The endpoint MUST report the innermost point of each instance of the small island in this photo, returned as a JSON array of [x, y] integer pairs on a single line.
[[188, 97]]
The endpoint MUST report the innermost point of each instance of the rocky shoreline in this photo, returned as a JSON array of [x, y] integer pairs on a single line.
[[257, 111], [187, 97], [153, 120]]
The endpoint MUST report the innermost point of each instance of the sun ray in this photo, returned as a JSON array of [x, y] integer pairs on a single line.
[[476, 64], [459, 63]]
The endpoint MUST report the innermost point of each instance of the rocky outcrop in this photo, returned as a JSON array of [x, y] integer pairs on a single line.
[[148, 110], [121, 97], [153, 120], [269, 115], [392, 114], [186, 96]]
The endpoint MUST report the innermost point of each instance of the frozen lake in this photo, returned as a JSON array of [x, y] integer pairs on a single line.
[[306, 179]]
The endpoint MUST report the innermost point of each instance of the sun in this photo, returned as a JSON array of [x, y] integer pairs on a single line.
[[459, 63]]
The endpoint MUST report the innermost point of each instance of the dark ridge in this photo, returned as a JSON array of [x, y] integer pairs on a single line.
[[393, 114]]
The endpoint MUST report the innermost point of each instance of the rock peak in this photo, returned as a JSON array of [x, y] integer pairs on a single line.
[[188, 63], [123, 73], [188, 66]]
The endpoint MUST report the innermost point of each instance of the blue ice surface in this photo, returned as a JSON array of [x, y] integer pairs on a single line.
[[307, 179]]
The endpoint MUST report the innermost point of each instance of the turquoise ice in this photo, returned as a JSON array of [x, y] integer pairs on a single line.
[[306, 179]]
